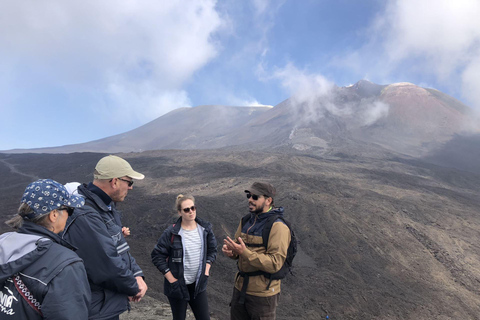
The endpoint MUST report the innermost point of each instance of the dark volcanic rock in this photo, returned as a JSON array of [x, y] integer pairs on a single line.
[[462, 153], [380, 236]]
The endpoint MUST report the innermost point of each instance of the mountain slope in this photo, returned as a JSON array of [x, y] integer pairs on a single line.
[[359, 119], [185, 128], [418, 119], [379, 237]]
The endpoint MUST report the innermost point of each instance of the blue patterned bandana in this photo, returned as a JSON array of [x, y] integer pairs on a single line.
[[46, 195]]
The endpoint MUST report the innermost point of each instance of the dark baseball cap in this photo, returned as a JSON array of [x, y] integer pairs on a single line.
[[262, 189]]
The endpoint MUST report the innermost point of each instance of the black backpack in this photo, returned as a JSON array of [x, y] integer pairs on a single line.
[[291, 252]]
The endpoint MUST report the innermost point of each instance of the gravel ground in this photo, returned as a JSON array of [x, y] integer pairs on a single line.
[[151, 309]]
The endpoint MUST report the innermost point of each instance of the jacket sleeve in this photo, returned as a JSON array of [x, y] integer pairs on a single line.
[[161, 252], [105, 267], [134, 267], [274, 257], [211, 247], [68, 295], [136, 270]]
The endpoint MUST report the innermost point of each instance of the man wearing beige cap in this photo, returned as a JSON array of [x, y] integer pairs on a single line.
[[96, 230]]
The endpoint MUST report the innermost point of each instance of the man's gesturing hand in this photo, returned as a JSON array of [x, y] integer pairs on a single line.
[[236, 248]]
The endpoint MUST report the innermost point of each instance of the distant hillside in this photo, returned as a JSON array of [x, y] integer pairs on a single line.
[[185, 128], [357, 120]]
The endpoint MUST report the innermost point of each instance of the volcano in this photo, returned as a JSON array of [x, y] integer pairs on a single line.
[[400, 117], [381, 184]]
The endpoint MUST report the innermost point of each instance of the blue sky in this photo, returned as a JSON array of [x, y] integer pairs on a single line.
[[76, 71]]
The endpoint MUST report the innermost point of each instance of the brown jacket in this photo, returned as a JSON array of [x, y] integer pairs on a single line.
[[269, 260]]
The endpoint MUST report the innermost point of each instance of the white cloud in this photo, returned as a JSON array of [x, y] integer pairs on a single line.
[[311, 94], [444, 33], [254, 103], [471, 83], [260, 6], [130, 56], [143, 104], [435, 41], [374, 111], [313, 97], [241, 100]]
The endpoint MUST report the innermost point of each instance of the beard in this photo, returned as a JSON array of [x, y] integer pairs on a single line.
[[256, 209]]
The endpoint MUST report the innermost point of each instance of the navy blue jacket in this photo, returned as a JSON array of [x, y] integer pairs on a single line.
[[52, 272], [96, 230], [168, 256]]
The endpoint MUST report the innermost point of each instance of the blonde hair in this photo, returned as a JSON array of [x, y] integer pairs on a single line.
[[16, 221], [180, 199]]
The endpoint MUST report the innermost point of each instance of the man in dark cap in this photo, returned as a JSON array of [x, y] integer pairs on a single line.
[[96, 229], [256, 295]]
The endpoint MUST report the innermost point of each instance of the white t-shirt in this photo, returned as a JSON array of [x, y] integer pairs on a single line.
[[192, 250]]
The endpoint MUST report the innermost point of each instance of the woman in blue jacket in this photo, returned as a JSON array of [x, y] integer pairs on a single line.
[[184, 254]]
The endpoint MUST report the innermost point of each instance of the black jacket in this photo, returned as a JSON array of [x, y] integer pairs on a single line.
[[168, 256], [96, 230], [52, 272]]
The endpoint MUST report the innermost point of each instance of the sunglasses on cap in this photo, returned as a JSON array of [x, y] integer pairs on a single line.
[[68, 209], [253, 196], [187, 210]]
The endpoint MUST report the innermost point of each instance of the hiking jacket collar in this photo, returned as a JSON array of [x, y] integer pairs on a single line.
[[100, 193], [33, 228], [178, 224], [94, 197], [265, 215]]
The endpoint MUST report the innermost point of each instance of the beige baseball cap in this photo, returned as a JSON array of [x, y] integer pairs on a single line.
[[110, 167]]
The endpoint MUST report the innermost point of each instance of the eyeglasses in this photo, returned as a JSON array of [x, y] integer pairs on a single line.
[[68, 209], [187, 210], [130, 182], [253, 196]]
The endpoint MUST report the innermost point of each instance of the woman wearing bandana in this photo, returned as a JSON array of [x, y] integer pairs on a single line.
[[42, 276]]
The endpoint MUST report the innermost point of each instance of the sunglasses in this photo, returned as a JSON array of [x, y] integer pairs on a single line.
[[130, 182], [253, 196], [187, 210], [68, 209]]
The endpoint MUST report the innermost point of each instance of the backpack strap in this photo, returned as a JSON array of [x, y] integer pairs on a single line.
[[246, 278], [268, 227], [27, 296]]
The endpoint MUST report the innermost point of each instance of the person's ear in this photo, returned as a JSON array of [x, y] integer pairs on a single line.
[[268, 201], [113, 183], [53, 215]]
